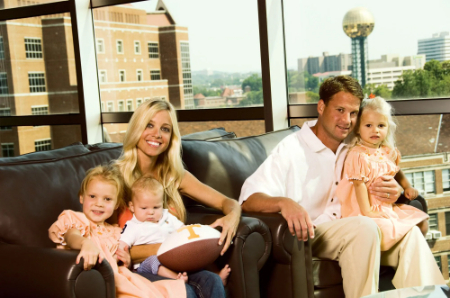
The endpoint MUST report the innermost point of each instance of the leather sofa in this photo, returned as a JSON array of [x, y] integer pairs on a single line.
[[37, 187]]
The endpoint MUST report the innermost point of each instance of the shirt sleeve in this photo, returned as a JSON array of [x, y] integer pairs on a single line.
[[68, 220], [356, 166], [175, 222], [128, 234], [269, 178]]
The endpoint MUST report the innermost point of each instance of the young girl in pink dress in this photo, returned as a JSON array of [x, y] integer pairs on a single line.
[[101, 193], [374, 155]]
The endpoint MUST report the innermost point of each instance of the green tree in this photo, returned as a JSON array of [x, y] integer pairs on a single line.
[[253, 98], [206, 92], [312, 97], [254, 82], [381, 90]]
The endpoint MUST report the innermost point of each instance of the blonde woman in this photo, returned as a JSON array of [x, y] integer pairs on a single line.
[[152, 147]]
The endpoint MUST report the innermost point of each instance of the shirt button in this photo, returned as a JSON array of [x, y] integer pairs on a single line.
[[334, 214], [337, 183], [332, 200]]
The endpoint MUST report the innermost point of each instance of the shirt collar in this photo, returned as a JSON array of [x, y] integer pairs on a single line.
[[313, 142]]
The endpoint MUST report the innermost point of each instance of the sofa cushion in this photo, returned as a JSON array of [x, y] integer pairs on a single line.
[[34, 193], [225, 164], [210, 135]]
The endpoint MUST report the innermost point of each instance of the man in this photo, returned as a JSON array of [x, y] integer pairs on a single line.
[[299, 180]]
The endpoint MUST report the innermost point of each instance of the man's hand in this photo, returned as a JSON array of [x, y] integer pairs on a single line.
[[297, 219], [386, 189]]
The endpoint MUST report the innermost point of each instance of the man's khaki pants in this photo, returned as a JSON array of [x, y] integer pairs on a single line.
[[355, 243]]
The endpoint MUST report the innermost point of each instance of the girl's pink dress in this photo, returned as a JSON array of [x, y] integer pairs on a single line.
[[106, 237], [368, 164]]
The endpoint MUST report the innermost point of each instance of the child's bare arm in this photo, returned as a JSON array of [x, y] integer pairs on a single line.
[[88, 249], [362, 198], [123, 254], [410, 192]]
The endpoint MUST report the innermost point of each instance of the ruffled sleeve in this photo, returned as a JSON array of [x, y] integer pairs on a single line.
[[67, 220], [357, 166]]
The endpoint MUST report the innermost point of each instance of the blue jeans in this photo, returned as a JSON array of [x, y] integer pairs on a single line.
[[201, 284]]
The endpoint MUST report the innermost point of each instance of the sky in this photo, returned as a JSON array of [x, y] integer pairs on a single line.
[[224, 35]]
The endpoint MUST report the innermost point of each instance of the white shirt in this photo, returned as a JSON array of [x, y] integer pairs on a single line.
[[303, 169], [136, 232]]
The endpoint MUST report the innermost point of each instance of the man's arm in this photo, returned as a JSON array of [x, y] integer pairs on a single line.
[[296, 216], [386, 189]]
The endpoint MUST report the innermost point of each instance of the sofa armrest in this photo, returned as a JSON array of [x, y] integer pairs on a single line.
[[289, 268], [246, 256], [419, 202], [27, 271]]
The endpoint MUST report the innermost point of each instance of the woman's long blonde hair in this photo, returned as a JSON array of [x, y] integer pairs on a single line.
[[169, 167]]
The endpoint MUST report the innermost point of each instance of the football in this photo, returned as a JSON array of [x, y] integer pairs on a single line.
[[190, 248]]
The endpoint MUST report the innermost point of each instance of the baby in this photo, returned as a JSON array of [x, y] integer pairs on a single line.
[[151, 224]]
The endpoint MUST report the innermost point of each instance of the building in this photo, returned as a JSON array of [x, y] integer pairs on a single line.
[[136, 61], [435, 48], [325, 63]]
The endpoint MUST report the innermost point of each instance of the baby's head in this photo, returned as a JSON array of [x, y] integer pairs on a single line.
[[147, 199], [376, 125], [101, 193]]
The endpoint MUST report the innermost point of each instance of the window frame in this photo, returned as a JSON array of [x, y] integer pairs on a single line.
[[119, 42], [122, 71], [139, 48], [153, 54], [139, 72], [97, 45], [30, 53]]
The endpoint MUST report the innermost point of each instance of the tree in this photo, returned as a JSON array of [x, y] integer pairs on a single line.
[[254, 82], [382, 91], [253, 98]]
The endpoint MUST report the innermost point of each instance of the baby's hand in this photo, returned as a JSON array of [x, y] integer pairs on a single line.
[[124, 256], [411, 193], [376, 214], [90, 253]]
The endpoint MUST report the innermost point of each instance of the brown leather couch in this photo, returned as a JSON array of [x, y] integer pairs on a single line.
[[37, 187]]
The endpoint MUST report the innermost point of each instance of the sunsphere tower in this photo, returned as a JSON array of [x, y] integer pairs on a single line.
[[358, 23]]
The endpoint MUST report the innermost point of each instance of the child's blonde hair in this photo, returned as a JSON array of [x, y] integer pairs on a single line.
[[169, 167], [108, 174], [148, 184], [381, 106]]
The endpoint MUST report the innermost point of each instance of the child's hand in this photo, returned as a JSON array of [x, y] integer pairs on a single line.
[[124, 256], [90, 253], [411, 193], [376, 214]]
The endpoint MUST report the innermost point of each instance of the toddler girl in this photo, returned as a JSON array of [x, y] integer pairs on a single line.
[[374, 155], [152, 224], [100, 194]]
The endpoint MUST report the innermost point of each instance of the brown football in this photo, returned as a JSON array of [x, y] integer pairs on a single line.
[[190, 248]]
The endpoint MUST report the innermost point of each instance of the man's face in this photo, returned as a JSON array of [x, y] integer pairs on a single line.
[[337, 118]]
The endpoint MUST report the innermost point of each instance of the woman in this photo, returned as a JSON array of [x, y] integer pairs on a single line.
[[152, 147]]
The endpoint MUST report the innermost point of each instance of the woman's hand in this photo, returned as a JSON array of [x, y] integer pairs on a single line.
[[90, 253], [411, 193], [229, 224], [124, 256]]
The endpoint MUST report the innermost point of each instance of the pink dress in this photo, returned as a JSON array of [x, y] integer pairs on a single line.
[[368, 164], [128, 284]]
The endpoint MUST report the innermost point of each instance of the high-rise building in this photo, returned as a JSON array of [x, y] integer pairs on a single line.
[[325, 63], [358, 23], [435, 48]]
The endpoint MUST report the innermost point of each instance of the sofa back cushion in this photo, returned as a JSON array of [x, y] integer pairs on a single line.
[[35, 192], [210, 135], [225, 164]]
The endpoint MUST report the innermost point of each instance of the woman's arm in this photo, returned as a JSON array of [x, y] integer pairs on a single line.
[[410, 192], [362, 198], [88, 249], [193, 188]]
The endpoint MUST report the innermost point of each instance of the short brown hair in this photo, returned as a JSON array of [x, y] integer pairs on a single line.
[[331, 86], [148, 184], [109, 174]]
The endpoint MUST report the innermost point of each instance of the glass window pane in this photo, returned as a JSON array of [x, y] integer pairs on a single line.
[[181, 60], [446, 179], [18, 3], [37, 66]]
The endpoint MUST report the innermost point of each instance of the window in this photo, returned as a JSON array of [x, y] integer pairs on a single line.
[[422, 181], [2, 49], [129, 105], [103, 106], [447, 224], [122, 75], [36, 81], [119, 45], [120, 105], [153, 50], [433, 222], [43, 145], [187, 80], [446, 179], [5, 112], [110, 106], [102, 76], [7, 149], [438, 262], [138, 102], [39, 110], [3, 83], [100, 45], [147, 99], [33, 48], [155, 75], [139, 77], [137, 47]]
